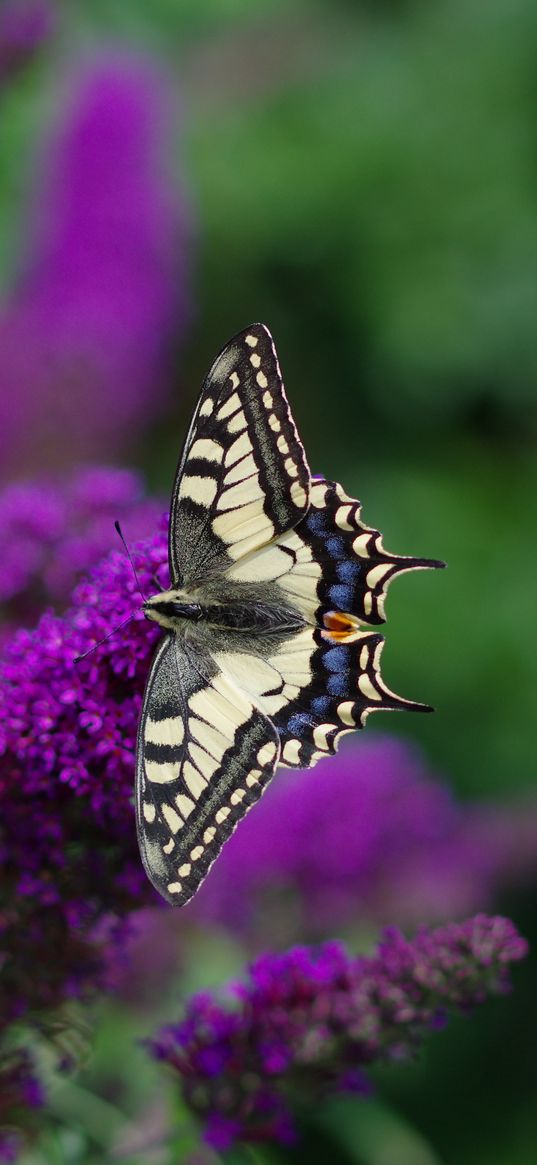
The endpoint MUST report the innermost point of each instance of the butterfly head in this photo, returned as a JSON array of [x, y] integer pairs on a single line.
[[169, 608]]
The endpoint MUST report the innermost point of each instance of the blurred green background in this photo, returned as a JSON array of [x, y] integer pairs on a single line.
[[363, 178]]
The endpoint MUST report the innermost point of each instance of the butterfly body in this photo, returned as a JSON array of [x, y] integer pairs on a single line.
[[265, 657], [171, 608]]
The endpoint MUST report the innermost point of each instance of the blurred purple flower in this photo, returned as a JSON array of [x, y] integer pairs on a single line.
[[20, 1092], [85, 344], [24, 26], [52, 531], [368, 835], [307, 1022]]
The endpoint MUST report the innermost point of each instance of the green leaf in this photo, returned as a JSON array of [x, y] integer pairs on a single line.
[[372, 1133]]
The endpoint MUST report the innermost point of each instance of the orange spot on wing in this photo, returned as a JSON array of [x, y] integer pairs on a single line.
[[340, 626]]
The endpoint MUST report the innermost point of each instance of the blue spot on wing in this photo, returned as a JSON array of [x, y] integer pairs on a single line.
[[320, 706], [338, 685], [348, 570], [299, 723], [336, 547], [341, 595], [316, 522], [336, 658]]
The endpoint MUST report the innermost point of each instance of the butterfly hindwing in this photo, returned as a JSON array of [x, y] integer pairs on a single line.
[[315, 688], [243, 477], [345, 687], [356, 569], [205, 755], [326, 679], [330, 564]]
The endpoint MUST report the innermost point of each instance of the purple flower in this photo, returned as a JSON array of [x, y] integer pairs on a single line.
[[307, 1021], [220, 1132], [67, 740], [20, 1092], [51, 531], [369, 834], [24, 26], [85, 343]]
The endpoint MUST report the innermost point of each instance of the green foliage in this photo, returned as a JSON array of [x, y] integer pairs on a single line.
[[385, 189]]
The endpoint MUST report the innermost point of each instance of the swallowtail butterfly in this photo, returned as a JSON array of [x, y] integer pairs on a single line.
[[265, 659]]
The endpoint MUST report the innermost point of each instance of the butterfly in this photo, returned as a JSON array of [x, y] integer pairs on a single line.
[[265, 659]]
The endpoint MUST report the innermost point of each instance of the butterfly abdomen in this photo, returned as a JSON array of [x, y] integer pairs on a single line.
[[262, 618]]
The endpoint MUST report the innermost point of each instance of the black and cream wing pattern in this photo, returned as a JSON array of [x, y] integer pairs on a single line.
[[270, 653]]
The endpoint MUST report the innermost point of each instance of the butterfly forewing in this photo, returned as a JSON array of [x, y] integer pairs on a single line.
[[205, 755], [243, 477]]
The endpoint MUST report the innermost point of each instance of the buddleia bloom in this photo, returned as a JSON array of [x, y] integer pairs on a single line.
[[54, 529], [310, 1021], [20, 1094], [396, 848], [67, 740], [100, 303], [70, 867]]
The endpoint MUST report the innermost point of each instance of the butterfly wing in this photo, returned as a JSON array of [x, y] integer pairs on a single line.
[[315, 689], [326, 679], [205, 754], [243, 477]]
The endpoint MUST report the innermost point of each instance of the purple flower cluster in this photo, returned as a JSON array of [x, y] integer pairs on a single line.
[[369, 834], [24, 26], [306, 1022], [87, 339], [52, 531], [71, 872], [20, 1093], [67, 741]]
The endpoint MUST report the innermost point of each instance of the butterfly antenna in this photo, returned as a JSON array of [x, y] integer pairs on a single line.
[[129, 556], [101, 641]]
